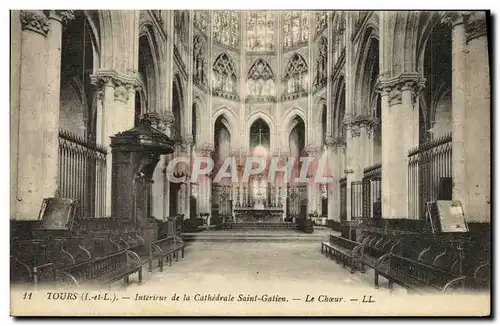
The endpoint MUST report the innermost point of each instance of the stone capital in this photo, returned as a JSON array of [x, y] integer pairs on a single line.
[[62, 16], [329, 141], [393, 87], [312, 150], [339, 142], [158, 120], [476, 26], [360, 121], [35, 21], [206, 149], [455, 18], [123, 84]]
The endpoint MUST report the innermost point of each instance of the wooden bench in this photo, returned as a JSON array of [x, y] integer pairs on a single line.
[[344, 250], [414, 275], [375, 247], [104, 270], [166, 248]]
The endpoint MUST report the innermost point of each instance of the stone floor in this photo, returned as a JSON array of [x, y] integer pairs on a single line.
[[291, 263]]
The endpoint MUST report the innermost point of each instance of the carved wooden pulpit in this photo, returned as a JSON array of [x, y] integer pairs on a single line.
[[135, 153]]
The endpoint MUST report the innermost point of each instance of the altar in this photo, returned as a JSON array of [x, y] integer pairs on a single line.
[[259, 215]]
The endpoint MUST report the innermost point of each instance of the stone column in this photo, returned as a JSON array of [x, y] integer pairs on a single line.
[[205, 185], [352, 163], [477, 120], [115, 114], [53, 77], [400, 134], [313, 191], [458, 100], [188, 150], [32, 106], [332, 186]]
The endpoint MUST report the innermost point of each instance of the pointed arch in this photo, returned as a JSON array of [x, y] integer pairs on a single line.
[[295, 66], [267, 119], [338, 129], [260, 82], [178, 106], [289, 122], [231, 119], [295, 77], [367, 63], [225, 78]]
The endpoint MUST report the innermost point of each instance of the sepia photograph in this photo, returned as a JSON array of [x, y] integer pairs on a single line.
[[250, 163]]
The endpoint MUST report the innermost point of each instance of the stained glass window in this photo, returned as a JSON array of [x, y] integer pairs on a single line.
[[200, 20], [226, 28], [260, 81], [261, 31], [296, 74], [224, 76], [295, 28]]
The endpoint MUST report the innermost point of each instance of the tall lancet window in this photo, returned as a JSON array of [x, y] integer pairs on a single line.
[[295, 28], [320, 77], [295, 77], [261, 31], [224, 77], [226, 28], [260, 83]]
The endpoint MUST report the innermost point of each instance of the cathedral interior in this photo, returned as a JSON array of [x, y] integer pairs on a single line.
[[397, 105]]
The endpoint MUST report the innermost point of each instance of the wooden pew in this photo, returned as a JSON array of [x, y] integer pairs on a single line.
[[414, 275], [104, 270], [344, 250], [166, 248], [377, 246]]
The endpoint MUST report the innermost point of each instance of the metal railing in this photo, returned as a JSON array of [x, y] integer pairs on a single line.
[[356, 200], [82, 173], [372, 191], [429, 174]]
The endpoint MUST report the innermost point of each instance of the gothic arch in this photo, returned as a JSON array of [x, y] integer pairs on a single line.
[[255, 72], [149, 68], [319, 108], [260, 79], [112, 38], [367, 63], [339, 106], [267, 119], [198, 117], [289, 123], [427, 23], [225, 76], [178, 108], [295, 65], [231, 119]]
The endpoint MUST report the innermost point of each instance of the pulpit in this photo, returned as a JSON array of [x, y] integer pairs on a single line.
[[135, 154]]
